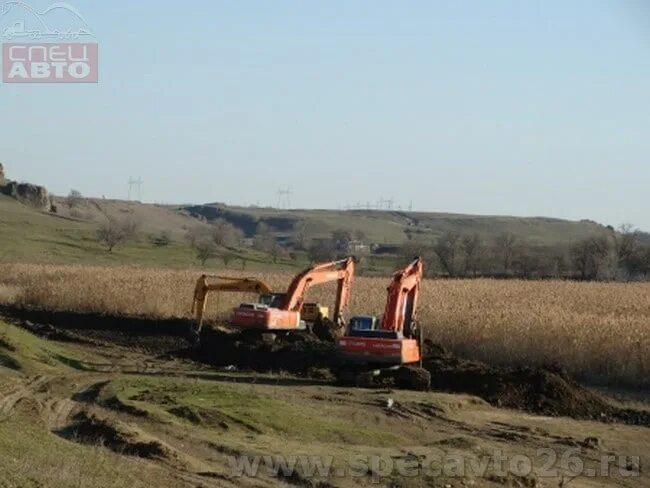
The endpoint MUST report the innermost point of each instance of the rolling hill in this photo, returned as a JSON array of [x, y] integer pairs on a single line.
[[28, 234], [396, 227]]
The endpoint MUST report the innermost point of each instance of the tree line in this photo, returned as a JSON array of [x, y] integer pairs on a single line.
[[620, 254]]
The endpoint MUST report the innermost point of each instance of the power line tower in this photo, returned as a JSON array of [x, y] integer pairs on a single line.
[[137, 185], [284, 197]]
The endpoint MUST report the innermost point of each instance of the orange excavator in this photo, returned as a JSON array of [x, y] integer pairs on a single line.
[[284, 312], [391, 346]]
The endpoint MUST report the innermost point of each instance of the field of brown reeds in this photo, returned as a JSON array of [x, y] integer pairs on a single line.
[[596, 331]]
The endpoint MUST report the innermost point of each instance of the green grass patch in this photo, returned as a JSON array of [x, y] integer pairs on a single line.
[[31, 456], [23, 351], [29, 235], [251, 408]]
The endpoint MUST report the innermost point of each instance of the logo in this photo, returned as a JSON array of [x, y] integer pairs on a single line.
[[26, 59]]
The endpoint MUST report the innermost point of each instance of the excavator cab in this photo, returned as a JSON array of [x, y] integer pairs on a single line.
[[362, 323], [274, 300]]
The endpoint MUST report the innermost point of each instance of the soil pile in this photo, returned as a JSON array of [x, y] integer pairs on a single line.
[[155, 336], [537, 390], [294, 352]]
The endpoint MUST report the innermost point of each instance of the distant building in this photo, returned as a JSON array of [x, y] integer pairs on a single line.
[[358, 247]]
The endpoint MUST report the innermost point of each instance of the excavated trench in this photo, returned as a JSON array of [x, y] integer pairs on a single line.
[[536, 390]]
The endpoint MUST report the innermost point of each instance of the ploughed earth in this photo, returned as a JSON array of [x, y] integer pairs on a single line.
[[471, 407], [536, 390]]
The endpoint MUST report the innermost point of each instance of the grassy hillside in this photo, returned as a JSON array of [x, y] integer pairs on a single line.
[[28, 235], [69, 236], [395, 227]]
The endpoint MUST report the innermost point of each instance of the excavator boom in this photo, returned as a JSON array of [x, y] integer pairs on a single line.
[[394, 340], [341, 271], [402, 299], [226, 283], [287, 316]]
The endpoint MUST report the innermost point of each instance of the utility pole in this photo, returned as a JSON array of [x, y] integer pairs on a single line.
[[284, 197], [135, 184]]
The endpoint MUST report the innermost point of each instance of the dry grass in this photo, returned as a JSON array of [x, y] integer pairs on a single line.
[[599, 331]]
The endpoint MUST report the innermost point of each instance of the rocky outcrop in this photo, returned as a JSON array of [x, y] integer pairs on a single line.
[[33, 195], [29, 194]]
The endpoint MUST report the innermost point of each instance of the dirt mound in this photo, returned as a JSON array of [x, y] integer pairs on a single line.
[[537, 390], [155, 336], [294, 352], [116, 436], [326, 330]]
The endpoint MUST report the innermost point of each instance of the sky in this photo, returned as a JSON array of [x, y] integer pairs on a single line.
[[529, 108]]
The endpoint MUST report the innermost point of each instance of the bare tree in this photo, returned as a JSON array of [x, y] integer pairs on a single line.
[[643, 259], [300, 235], [505, 245], [277, 251], [225, 234], [115, 231], [474, 250], [263, 243], [559, 265], [589, 256], [626, 244], [74, 199], [193, 234], [525, 262], [637, 264], [227, 257], [205, 249], [322, 250], [447, 249]]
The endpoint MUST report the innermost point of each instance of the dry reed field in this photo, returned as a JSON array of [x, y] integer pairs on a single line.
[[597, 331]]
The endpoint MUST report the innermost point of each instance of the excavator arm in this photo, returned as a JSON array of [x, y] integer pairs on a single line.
[[341, 271], [402, 301], [204, 286]]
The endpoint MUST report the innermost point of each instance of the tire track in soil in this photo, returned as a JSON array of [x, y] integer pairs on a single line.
[[27, 390]]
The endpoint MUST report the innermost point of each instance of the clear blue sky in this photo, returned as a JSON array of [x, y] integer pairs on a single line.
[[500, 107]]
